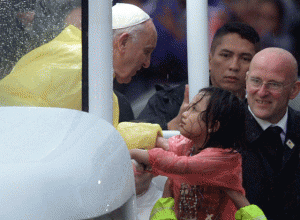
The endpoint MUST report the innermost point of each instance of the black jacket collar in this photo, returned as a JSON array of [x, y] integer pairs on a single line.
[[254, 130]]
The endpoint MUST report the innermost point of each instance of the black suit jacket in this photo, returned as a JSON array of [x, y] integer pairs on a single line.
[[164, 105], [276, 193]]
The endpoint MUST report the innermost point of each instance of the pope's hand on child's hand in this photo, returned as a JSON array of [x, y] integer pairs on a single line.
[[137, 167], [162, 143], [167, 189], [141, 156]]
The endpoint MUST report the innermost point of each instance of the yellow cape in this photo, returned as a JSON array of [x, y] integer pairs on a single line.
[[49, 76]]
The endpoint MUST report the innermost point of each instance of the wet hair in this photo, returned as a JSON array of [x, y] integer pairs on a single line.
[[244, 30], [226, 111]]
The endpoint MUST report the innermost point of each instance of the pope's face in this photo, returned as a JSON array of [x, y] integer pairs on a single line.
[[136, 55]]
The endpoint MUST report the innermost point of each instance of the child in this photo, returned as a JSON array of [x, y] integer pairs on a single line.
[[202, 163]]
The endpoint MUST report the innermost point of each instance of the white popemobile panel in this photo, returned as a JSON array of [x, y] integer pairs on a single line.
[[62, 164]]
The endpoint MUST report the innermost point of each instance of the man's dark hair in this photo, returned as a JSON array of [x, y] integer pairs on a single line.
[[244, 30]]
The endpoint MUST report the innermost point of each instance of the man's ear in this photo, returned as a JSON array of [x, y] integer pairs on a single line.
[[209, 60], [247, 75], [215, 128], [122, 42], [295, 90]]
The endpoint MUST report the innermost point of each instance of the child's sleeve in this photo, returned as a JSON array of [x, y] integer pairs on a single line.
[[213, 166]]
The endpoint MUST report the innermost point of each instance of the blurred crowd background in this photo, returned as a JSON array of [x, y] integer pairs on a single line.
[[24, 26]]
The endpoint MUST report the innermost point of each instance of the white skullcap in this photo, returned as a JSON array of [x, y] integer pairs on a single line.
[[127, 15]]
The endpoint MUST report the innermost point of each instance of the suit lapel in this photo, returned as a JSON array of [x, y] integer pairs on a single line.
[[253, 129], [292, 136], [253, 136]]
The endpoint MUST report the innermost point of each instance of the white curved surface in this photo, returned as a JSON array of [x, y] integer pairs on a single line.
[[61, 164]]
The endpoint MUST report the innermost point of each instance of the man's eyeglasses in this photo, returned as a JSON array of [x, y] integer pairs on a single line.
[[271, 86]]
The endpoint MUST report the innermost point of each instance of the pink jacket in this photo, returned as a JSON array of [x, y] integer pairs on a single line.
[[197, 181]]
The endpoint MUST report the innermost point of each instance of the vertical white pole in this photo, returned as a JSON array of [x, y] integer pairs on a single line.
[[100, 59], [197, 45]]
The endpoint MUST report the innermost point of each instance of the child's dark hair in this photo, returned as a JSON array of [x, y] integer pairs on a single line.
[[224, 119]]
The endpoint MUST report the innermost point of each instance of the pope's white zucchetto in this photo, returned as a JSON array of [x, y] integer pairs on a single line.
[[126, 15]]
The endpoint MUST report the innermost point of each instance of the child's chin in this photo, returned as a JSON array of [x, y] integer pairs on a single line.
[[183, 132]]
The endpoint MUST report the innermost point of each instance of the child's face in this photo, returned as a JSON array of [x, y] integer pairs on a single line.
[[191, 126]]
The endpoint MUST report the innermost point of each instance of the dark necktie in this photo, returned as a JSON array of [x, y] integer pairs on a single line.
[[276, 148]]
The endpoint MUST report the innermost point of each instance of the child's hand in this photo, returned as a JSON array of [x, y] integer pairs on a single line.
[[239, 199], [162, 143], [167, 190], [246, 211], [138, 168], [141, 156]]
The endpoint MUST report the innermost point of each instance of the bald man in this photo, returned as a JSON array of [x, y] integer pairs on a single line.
[[271, 169]]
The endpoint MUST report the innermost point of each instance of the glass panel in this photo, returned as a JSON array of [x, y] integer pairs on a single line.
[[27, 24]]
